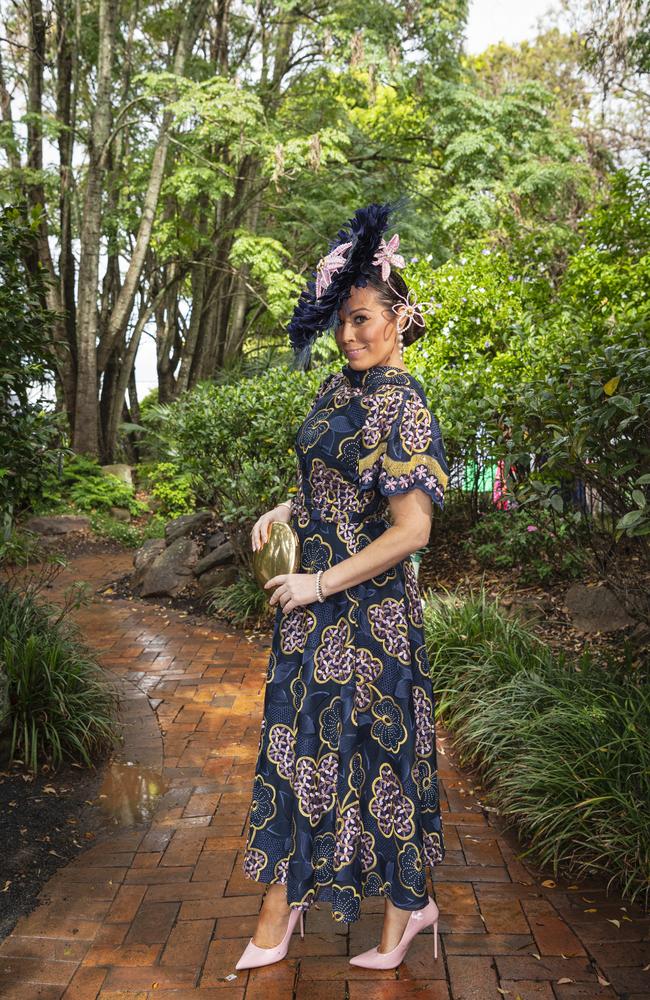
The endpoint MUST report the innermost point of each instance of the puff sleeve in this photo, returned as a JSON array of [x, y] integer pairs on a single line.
[[402, 447]]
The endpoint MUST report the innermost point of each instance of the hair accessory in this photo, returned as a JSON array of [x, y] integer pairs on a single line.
[[328, 266], [409, 310], [349, 262], [386, 255]]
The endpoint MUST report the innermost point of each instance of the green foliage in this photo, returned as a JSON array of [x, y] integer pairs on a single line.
[[533, 544], [172, 489], [131, 536], [236, 442], [266, 259], [591, 419], [61, 705], [101, 493], [560, 746], [241, 602], [28, 432], [82, 484]]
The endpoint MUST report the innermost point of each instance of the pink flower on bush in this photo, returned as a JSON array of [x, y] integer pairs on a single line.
[[531, 527]]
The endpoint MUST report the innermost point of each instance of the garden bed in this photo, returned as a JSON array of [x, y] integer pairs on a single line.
[[46, 820]]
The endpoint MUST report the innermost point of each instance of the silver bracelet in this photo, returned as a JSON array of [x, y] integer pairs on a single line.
[[319, 592]]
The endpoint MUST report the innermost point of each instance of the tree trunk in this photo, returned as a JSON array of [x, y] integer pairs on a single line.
[[86, 430], [122, 311]]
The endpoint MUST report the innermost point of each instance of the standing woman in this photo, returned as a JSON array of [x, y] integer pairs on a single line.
[[345, 797]]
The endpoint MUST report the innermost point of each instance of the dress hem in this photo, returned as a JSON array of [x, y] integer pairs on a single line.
[[313, 895]]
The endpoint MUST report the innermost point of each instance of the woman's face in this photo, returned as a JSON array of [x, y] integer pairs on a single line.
[[367, 330]]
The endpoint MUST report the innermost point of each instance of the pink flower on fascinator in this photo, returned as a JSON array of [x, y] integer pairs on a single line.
[[412, 310], [386, 256], [327, 266]]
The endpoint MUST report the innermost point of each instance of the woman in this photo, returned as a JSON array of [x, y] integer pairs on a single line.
[[345, 796]]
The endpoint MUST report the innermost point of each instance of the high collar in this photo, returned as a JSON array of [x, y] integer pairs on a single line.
[[376, 375]]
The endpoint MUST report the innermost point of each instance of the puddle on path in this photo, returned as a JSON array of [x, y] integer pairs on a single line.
[[129, 793]]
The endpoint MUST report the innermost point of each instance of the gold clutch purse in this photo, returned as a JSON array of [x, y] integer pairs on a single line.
[[281, 554]]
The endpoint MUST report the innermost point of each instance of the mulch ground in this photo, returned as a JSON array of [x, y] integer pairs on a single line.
[[46, 820]]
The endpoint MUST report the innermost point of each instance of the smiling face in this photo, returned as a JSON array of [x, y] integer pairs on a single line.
[[367, 330]]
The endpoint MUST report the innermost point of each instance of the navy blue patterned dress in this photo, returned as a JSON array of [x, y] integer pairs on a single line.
[[345, 797]]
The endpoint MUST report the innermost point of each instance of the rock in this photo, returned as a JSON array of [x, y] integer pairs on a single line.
[[217, 539], [219, 555], [172, 570], [121, 513], [144, 557], [184, 524], [595, 609], [121, 471], [148, 552], [57, 524], [220, 576]]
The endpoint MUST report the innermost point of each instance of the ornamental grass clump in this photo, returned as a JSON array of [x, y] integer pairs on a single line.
[[562, 747], [60, 704]]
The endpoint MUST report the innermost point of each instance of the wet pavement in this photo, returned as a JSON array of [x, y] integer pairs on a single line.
[[160, 908]]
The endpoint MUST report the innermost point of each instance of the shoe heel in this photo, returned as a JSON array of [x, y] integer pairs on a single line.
[[302, 924], [435, 939]]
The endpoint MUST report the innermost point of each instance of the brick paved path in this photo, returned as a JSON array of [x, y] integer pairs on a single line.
[[164, 911]]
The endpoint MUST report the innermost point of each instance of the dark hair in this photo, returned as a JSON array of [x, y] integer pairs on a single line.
[[389, 295]]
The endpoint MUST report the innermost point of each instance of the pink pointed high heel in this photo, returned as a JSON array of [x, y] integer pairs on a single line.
[[253, 956], [419, 919]]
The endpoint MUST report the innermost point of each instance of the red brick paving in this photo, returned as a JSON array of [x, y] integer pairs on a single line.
[[163, 910]]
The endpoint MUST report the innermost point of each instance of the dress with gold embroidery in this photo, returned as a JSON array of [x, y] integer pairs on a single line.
[[345, 797]]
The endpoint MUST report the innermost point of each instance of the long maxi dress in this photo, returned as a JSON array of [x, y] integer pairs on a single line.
[[345, 800]]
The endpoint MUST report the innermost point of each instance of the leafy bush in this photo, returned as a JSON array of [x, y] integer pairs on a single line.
[[589, 421], [535, 544], [132, 536], [106, 492], [236, 442], [82, 484], [61, 705], [241, 602], [562, 747], [172, 489]]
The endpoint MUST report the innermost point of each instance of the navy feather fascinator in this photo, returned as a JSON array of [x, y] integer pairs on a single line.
[[347, 263]]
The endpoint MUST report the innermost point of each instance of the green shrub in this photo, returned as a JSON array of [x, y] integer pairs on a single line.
[[534, 544], [61, 705], [236, 442], [173, 490], [241, 602], [561, 746], [132, 536], [82, 485]]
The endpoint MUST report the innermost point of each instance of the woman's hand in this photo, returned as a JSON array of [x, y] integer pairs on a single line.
[[262, 527], [293, 590]]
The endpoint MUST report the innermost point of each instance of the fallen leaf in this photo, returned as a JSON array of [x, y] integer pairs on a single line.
[[549, 883], [602, 980], [535, 955], [505, 993], [564, 981], [592, 909], [617, 923]]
